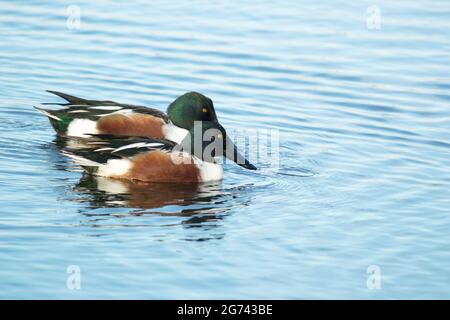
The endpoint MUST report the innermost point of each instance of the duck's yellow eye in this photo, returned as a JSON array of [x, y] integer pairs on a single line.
[[205, 110]]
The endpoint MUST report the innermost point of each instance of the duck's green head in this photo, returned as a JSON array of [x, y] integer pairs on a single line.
[[208, 140], [190, 107]]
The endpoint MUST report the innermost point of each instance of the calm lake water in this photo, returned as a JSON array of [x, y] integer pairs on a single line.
[[363, 113]]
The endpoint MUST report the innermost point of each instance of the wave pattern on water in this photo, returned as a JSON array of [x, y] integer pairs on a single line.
[[363, 174]]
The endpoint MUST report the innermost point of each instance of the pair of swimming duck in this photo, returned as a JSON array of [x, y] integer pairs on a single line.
[[139, 143]]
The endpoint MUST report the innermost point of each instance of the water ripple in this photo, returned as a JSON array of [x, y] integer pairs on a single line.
[[363, 173]]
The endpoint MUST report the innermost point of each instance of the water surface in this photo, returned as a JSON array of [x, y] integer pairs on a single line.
[[363, 178]]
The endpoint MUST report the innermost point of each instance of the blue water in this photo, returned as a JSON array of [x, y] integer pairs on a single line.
[[364, 173]]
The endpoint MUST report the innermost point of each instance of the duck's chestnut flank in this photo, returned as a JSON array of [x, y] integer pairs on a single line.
[[137, 125], [159, 166]]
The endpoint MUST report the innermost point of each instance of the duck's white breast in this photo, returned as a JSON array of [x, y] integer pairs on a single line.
[[209, 171], [174, 133]]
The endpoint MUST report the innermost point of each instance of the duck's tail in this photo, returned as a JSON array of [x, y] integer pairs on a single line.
[[89, 166], [68, 97], [48, 113], [58, 123]]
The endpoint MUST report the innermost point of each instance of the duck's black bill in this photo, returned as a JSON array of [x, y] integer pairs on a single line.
[[232, 153]]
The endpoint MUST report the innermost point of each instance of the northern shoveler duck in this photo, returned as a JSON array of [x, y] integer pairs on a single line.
[[160, 160], [83, 117]]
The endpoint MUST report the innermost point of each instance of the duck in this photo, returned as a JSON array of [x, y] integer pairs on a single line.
[[195, 159], [82, 118]]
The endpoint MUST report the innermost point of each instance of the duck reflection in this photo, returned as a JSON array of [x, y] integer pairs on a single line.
[[108, 192], [72, 143], [199, 206]]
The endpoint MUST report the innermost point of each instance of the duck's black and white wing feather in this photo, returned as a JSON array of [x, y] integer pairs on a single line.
[[101, 148], [93, 109]]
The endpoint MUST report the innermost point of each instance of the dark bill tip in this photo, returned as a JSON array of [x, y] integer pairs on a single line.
[[232, 153], [248, 166]]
